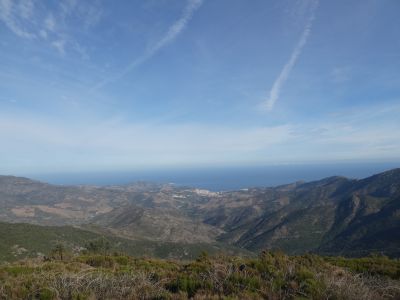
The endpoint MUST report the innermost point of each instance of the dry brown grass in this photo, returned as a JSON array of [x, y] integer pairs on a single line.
[[272, 276]]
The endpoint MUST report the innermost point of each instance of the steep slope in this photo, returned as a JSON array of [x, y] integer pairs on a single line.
[[156, 224], [333, 215], [292, 217], [369, 218]]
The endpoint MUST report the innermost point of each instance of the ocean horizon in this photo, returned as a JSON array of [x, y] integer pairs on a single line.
[[221, 178]]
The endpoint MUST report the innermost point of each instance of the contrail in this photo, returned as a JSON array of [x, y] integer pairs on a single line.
[[174, 30], [283, 76]]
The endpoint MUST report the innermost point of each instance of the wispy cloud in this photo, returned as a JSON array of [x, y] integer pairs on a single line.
[[53, 24], [116, 143], [26, 8], [283, 76], [16, 16], [173, 31]]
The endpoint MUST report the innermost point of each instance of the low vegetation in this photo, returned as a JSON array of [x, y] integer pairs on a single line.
[[98, 274], [20, 241]]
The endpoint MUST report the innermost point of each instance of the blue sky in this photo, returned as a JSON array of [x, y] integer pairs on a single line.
[[121, 85]]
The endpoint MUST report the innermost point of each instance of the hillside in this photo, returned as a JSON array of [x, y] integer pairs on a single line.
[[19, 241], [335, 215], [272, 275]]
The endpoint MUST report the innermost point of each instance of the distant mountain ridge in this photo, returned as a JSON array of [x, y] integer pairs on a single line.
[[334, 215]]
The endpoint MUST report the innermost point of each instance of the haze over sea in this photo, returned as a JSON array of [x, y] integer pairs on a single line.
[[222, 178]]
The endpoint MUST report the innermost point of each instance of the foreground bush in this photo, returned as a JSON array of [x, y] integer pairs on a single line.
[[272, 275]]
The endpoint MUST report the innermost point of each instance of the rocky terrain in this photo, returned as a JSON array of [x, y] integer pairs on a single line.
[[334, 215]]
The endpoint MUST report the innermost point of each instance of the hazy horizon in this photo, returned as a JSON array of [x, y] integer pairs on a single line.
[[220, 178]]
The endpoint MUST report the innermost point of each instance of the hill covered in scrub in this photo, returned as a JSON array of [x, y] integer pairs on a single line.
[[335, 215], [272, 275], [19, 241]]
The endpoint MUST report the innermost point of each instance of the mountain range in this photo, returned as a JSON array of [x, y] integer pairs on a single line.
[[332, 216]]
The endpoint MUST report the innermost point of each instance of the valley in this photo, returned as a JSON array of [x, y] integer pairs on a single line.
[[332, 216]]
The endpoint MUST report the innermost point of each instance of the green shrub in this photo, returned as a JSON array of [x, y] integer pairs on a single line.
[[185, 284], [19, 270], [46, 294], [121, 260]]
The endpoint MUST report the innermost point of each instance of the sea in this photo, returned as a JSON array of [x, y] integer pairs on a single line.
[[222, 178]]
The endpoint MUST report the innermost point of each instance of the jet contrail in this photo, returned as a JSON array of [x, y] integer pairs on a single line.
[[283, 76], [174, 30]]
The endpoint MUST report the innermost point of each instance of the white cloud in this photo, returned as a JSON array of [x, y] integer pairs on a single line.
[[359, 133], [26, 20], [122, 144], [176, 28], [173, 31], [16, 17], [51, 144], [283, 76]]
